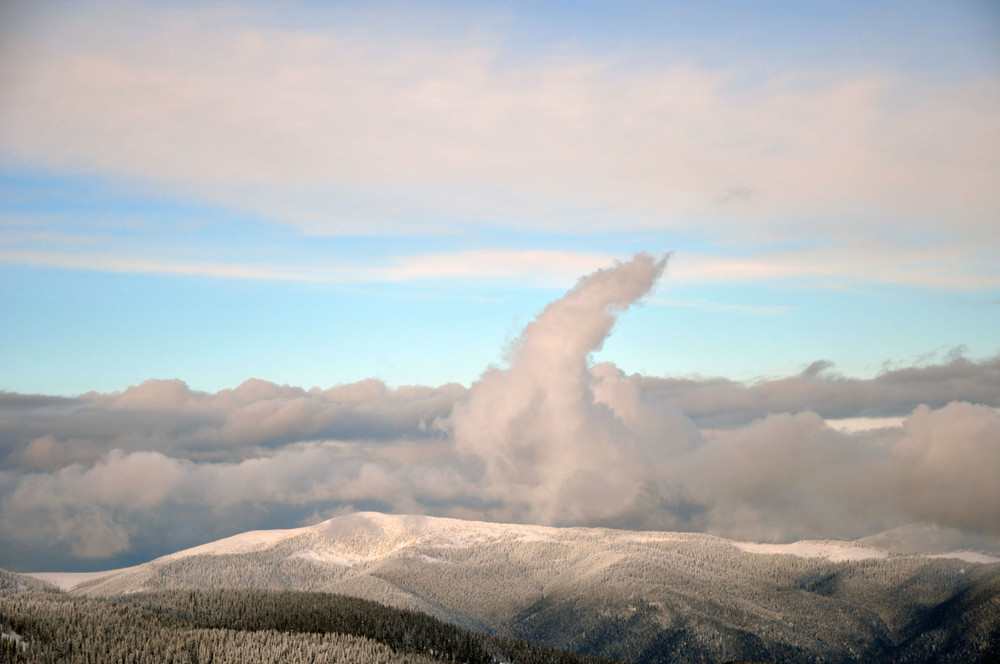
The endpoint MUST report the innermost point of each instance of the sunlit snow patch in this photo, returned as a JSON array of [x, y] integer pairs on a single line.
[[325, 558], [18, 640], [833, 551], [69, 580], [431, 560], [535, 534], [255, 540], [967, 556]]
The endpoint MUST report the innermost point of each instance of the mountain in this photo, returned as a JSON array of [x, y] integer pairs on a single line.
[[635, 596]]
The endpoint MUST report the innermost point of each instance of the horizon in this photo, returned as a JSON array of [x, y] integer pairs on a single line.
[[716, 268], [832, 552]]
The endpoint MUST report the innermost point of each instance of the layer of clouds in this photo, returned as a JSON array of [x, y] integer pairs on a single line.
[[719, 402], [166, 416], [353, 126], [791, 476], [108, 479]]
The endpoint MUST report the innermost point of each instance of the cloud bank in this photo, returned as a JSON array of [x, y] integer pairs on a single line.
[[108, 479]]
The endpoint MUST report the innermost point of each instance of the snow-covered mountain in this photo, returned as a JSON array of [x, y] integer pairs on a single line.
[[642, 596]]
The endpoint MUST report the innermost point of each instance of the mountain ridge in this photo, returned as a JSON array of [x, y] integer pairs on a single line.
[[415, 526], [642, 596]]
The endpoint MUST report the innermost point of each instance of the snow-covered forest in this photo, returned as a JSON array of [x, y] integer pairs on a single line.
[[242, 627]]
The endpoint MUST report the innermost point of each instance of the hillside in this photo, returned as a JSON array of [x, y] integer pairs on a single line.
[[636, 596], [242, 627]]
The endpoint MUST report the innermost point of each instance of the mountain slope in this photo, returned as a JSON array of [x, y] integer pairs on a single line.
[[640, 596], [243, 627]]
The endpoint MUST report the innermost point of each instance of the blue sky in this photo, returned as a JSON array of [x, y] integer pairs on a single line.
[[316, 194]]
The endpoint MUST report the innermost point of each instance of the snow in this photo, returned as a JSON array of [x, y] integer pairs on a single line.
[[535, 534], [658, 537], [967, 556], [444, 542], [16, 638], [347, 542], [832, 551], [430, 559], [325, 558], [254, 540], [69, 580]]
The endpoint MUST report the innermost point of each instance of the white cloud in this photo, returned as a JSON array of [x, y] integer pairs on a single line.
[[555, 449], [533, 267], [943, 267], [361, 129], [946, 464], [946, 265], [355, 130]]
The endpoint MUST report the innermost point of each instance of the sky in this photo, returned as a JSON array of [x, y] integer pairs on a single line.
[[308, 252]]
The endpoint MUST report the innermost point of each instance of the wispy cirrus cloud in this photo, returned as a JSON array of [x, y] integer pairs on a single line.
[[536, 267], [130, 264], [546, 267], [940, 268]]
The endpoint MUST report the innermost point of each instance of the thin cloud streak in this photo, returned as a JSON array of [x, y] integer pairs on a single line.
[[548, 268], [133, 265], [945, 267], [830, 269]]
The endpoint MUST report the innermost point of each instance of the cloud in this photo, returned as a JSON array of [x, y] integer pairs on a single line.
[[352, 128], [719, 402], [168, 417], [850, 262], [535, 267], [553, 451], [545, 267], [546, 438], [944, 468], [346, 128], [789, 477], [839, 268]]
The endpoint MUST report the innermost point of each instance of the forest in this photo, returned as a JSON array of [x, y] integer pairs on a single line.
[[243, 626]]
